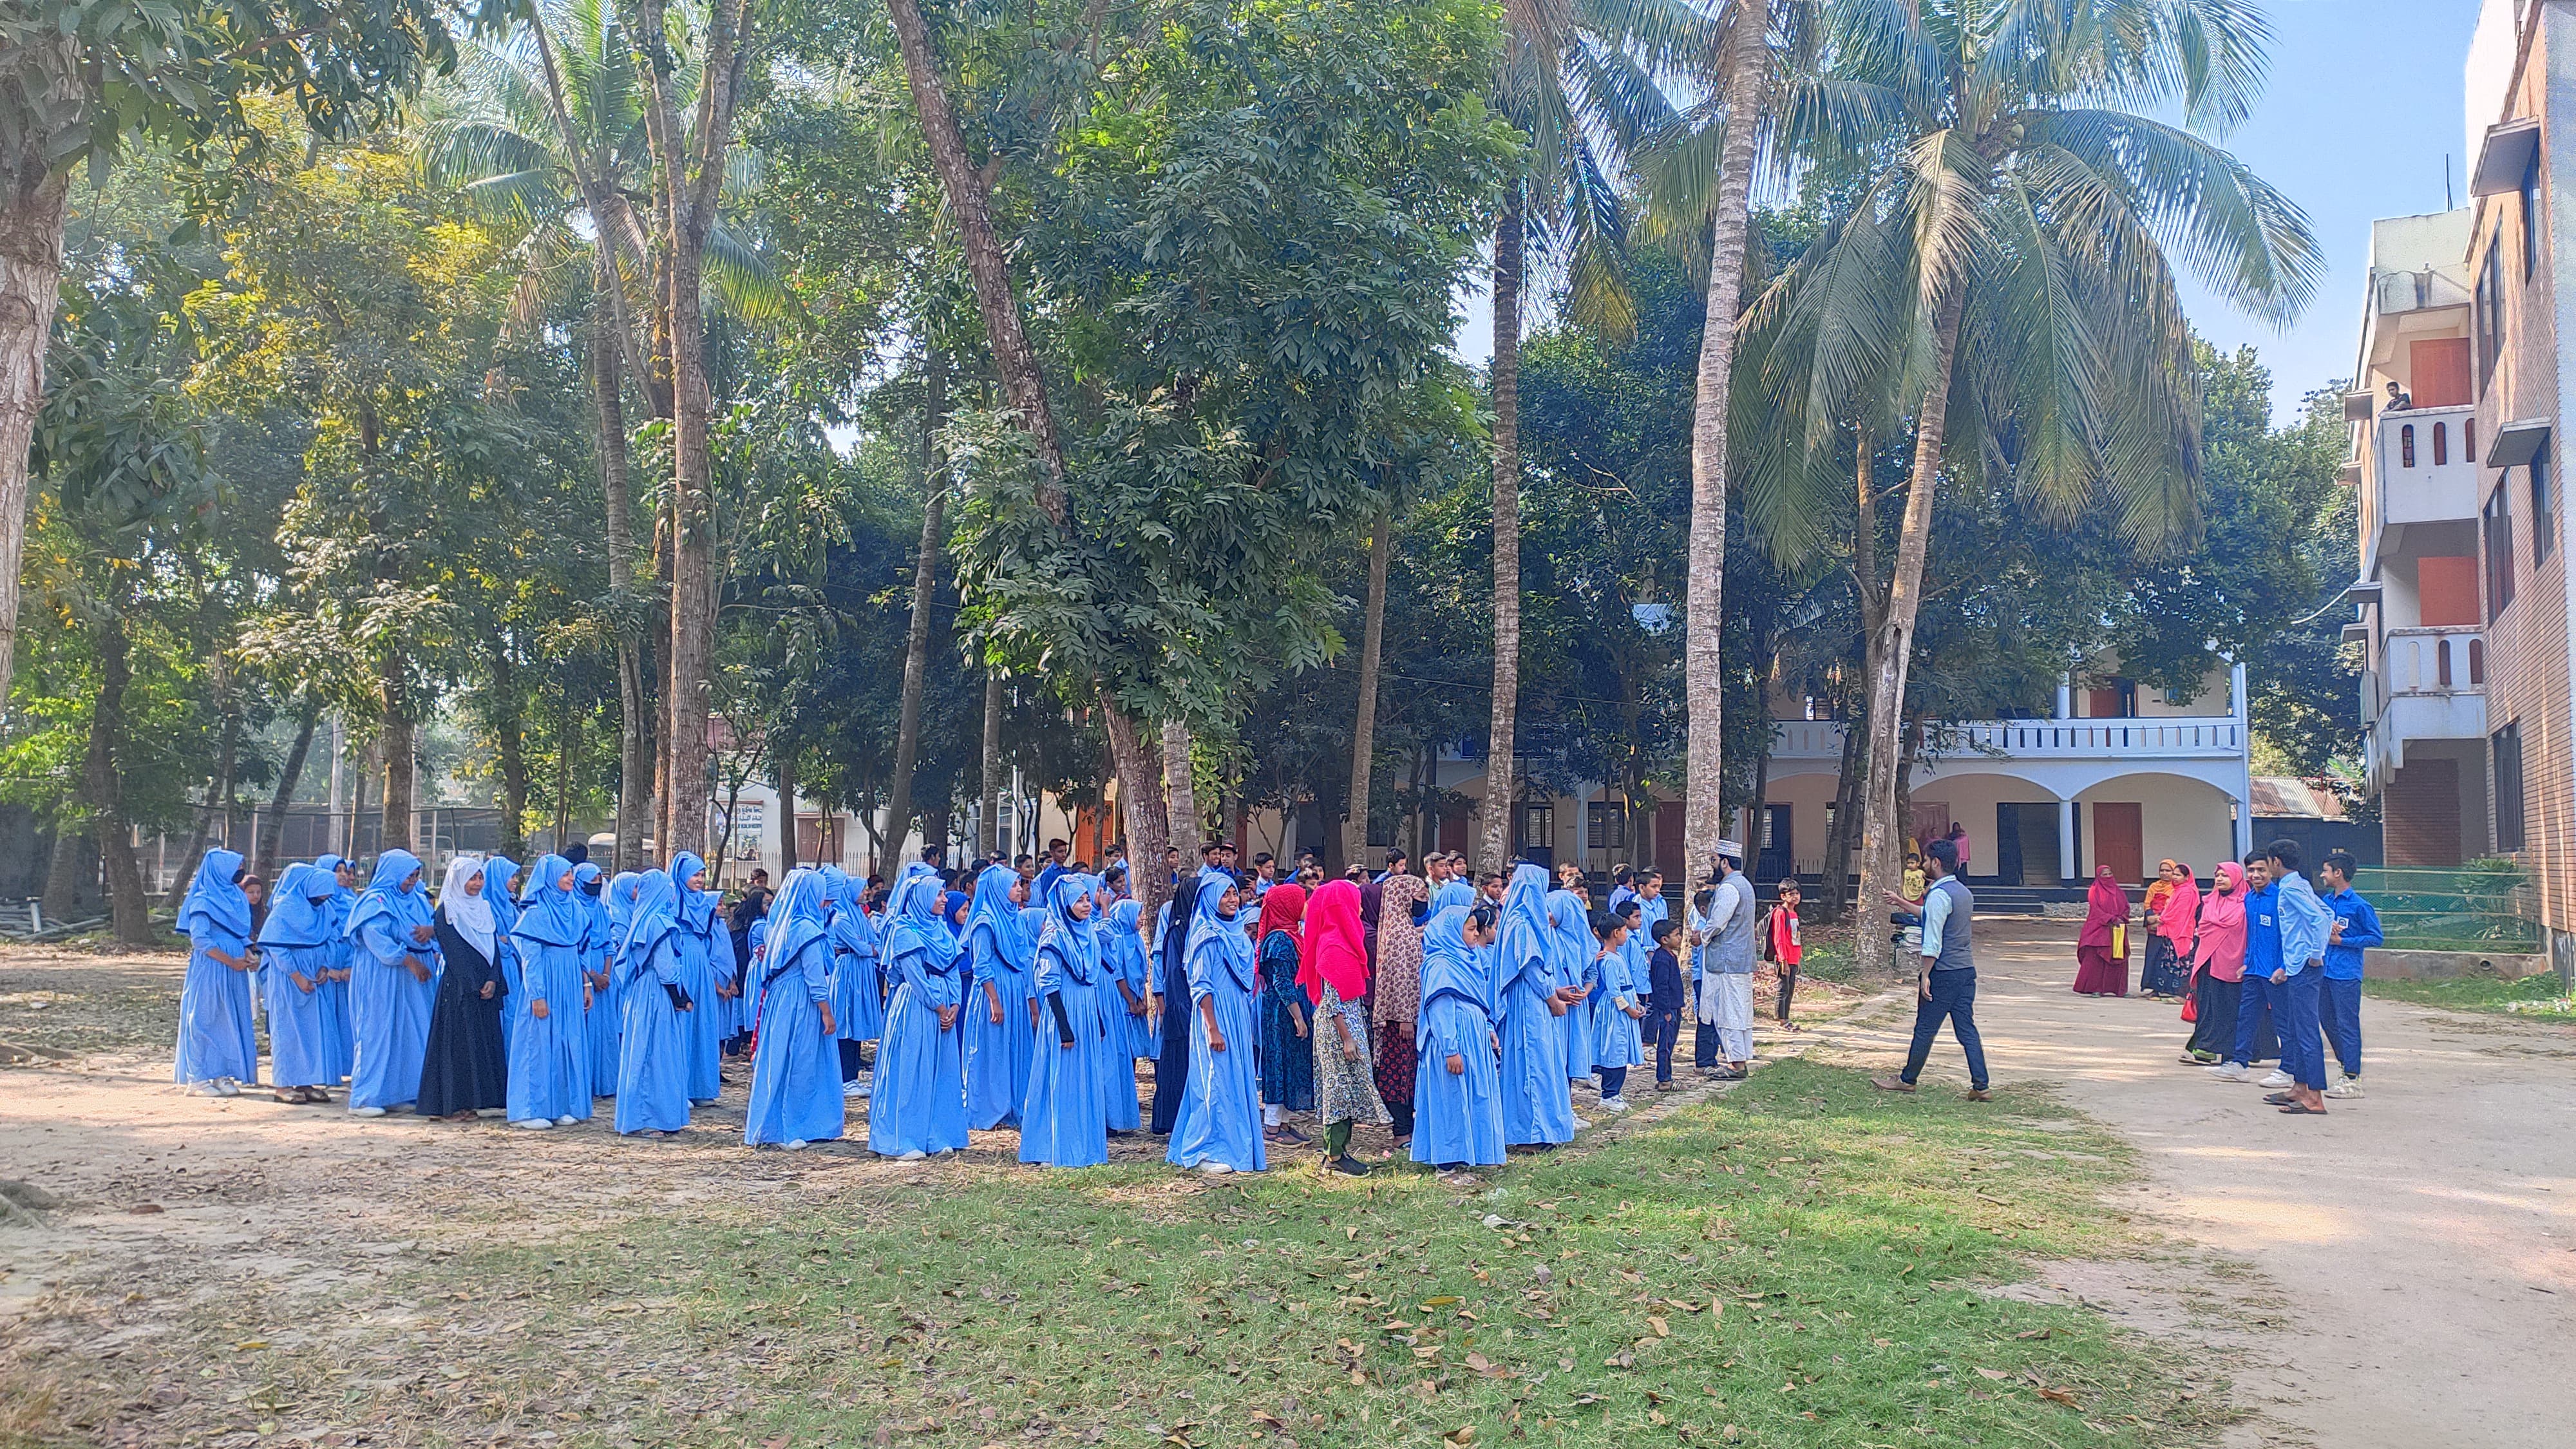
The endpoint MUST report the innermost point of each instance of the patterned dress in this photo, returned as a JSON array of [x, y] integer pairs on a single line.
[[1287, 1061], [1345, 1087], [1398, 985]]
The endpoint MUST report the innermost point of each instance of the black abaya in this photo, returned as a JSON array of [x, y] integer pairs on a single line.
[[466, 1069], [1172, 1066]]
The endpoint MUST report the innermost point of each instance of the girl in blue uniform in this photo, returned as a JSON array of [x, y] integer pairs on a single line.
[[599, 1019], [550, 1045], [394, 983], [1457, 1085], [796, 1059], [1061, 1120], [858, 1011], [1537, 1107], [218, 1046], [919, 1104], [655, 1040], [1617, 1043], [1126, 1008], [1218, 1128], [1000, 1026], [295, 953]]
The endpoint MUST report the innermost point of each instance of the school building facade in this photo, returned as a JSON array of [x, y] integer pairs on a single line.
[[2464, 598]]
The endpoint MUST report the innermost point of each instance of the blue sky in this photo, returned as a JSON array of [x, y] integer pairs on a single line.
[[2363, 106]]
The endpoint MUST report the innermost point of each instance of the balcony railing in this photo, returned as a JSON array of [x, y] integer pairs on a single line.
[[2434, 661], [2197, 737], [2427, 465]]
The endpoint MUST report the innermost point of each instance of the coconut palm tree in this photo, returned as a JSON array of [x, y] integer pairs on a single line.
[[547, 132], [1578, 77], [2003, 278]]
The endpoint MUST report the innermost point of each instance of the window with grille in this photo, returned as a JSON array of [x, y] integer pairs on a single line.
[[2506, 746], [1605, 825]]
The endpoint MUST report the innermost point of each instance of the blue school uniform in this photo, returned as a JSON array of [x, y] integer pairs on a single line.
[[295, 942], [705, 951], [1616, 1041], [389, 1010], [1220, 1111], [600, 1018], [1124, 1034], [217, 1039], [795, 1064], [2257, 998], [1571, 946], [1457, 1116], [549, 1055], [2342, 988], [340, 1039], [858, 993], [654, 1041], [920, 1099], [1537, 1105], [998, 1053], [1063, 1121], [498, 872]]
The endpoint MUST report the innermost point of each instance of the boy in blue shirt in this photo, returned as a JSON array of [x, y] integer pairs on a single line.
[[2305, 924], [2354, 930], [1664, 999]]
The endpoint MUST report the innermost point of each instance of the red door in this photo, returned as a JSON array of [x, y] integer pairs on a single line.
[[2118, 841], [2441, 372], [1668, 842]]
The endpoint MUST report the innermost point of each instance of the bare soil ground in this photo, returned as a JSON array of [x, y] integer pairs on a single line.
[[2399, 1272]]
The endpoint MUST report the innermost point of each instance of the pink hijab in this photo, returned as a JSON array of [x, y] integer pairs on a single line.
[[2106, 907], [2180, 913], [2222, 925], [1335, 949]]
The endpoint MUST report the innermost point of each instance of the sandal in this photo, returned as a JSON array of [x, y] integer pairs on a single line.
[[289, 1097], [2297, 1110]]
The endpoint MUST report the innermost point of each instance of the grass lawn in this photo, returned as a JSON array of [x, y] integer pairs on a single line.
[[2543, 996], [1798, 1263]]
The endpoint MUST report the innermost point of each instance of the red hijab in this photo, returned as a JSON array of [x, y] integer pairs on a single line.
[[1336, 947], [2106, 907], [1281, 910]]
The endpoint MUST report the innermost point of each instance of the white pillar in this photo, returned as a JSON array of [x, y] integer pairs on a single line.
[[2065, 696], [2236, 692], [2065, 838]]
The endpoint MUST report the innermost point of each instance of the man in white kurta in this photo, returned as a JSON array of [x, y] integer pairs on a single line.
[[1726, 978]]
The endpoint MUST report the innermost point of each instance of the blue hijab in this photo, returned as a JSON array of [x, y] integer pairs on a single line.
[[342, 898], [391, 892], [852, 931], [1523, 944], [917, 929], [215, 901], [496, 888], [993, 916], [1124, 945], [619, 901], [594, 906], [1454, 892], [299, 914], [654, 915], [1074, 944], [1570, 940], [1449, 969], [550, 914], [697, 909], [796, 921], [1218, 941]]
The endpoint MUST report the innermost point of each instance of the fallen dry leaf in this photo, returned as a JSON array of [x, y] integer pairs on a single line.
[[1987, 1373], [2059, 1396], [1661, 1328], [2034, 1333]]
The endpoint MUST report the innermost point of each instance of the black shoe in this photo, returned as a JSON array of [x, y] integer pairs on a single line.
[[1349, 1166]]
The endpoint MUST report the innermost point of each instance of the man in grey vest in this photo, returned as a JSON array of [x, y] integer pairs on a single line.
[[1726, 980], [1947, 988]]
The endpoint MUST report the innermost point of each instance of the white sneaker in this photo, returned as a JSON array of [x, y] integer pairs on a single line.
[[1214, 1168], [2278, 1078], [204, 1089], [366, 1111], [2228, 1071], [1581, 1123], [1614, 1104], [796, 1146], [227, 1087], [915, 1155], [535, 1124], [566, 1120], [852, 1091], [2348, 1087]]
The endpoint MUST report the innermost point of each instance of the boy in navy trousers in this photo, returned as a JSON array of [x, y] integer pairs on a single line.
[[1664, 999], [2354, 930]]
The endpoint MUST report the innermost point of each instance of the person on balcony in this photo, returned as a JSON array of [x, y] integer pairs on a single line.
[[2102, 948], [2399, 399]]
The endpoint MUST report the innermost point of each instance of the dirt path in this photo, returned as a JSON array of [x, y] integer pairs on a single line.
[[2415, 1251]]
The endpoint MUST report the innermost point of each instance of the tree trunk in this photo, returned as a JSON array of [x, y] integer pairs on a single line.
[[394, 739], [1891, 644], [1703, 642], [31, 272], [1495, 843], [563, 768], [783, 775], [509, 743], [1355, 821], [103, 791], [690, 168], [1834, 884], [1180, 792], [272, 839], [218, 799], [925, 578], [970, 202], [69, 874], [988, 814], [660, 849], [1140, 800]]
